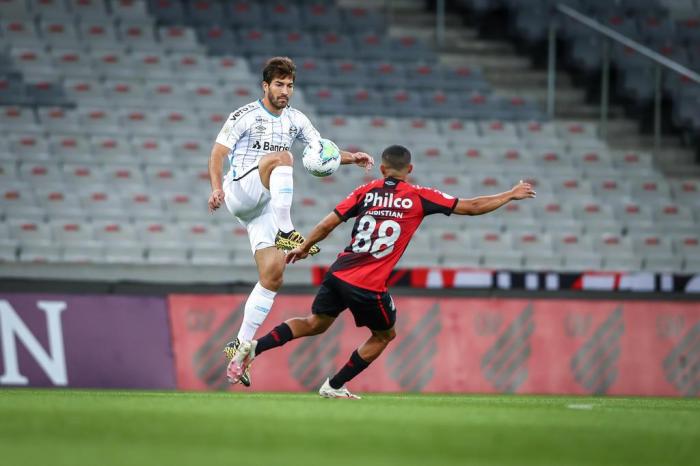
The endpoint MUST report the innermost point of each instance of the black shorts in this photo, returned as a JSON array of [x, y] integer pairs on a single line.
[[370, 309]]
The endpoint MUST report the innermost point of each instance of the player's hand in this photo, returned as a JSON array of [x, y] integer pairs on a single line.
[[295, 255], [216, 199], [522, 190], [363, 160]]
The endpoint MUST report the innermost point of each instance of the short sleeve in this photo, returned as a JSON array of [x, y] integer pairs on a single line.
[[349, 207], [307, 132], [436, 202], [231, 132]]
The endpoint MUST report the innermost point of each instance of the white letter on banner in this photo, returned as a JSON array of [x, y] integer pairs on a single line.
[[53, 363]]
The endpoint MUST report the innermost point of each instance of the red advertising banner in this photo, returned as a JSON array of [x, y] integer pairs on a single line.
[[461, 345]]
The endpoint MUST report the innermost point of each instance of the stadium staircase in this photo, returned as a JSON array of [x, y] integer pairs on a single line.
[[512, 73]]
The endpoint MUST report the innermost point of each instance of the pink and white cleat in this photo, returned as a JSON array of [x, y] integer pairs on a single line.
[[238, 363]]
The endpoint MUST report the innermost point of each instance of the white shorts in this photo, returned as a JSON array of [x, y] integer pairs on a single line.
[[249, 201]]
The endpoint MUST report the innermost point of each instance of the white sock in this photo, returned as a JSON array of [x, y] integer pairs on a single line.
[[281, 193], [256, 309]]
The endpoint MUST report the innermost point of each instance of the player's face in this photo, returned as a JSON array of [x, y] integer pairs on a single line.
[[279, 92]]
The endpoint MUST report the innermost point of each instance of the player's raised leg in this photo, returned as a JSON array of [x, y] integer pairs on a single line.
[[276, 173], [360, 359]]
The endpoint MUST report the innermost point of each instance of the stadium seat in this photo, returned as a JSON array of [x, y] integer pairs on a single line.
[[142, 204], [178, 39], [151, 65], [243, 13], [19, 32], [89, 252], [138, 122], [124, 253], [18, 118], [8, 250], [152, 150], [138, 37], [153, 233], [125, 178], [59, 120], [363, 19], [40, 253], [674, 218], [686, 191], [317, 16], [99, 34], [130, 11], [71, 232], [204, 12], [404, 103], [281, 14], [99, 204], [190, 66], [348, 72], [29, 232], [59, 33], [112, 149]]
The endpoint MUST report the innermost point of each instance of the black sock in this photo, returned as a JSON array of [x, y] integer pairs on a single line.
[[277, 337], [354, 366]]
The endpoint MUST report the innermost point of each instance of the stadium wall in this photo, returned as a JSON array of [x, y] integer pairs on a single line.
[[444, 344]]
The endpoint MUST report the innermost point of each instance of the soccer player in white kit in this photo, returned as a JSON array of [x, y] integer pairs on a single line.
[[258, 188]]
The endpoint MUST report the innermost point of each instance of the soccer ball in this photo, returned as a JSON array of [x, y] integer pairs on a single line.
[[321, 161]]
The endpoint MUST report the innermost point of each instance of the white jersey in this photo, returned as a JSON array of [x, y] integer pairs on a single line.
[[252, 131]]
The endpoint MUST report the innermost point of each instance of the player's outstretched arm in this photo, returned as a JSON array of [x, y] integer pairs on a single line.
[[216, 166], [319, 233], [358, 158], [485, 204]]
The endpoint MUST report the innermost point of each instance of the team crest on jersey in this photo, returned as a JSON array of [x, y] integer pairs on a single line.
[[293, 131]]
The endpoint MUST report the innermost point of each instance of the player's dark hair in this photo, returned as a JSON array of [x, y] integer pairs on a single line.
[[279, 67], [396, 157]]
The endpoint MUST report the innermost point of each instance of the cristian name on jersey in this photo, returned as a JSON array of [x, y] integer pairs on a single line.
[[388, 211], [252, 131]]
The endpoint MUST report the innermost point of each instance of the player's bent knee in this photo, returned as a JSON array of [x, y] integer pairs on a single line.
[[385, 336], [316, 325], [272, 283], [286, 158], [278, 159]]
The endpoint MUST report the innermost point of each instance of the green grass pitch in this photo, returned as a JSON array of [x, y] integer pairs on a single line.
[[89, 427]]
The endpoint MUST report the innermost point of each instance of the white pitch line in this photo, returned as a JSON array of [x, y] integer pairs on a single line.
[[580, 406]]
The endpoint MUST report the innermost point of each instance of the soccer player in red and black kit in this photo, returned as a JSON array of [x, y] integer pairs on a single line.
[[388, 212]]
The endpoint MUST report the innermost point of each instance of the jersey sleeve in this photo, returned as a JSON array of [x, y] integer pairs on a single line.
[[231, 132], [307, 132], [349, 207], [436, 202]]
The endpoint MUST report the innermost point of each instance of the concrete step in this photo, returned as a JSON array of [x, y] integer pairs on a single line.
[[505, 63], [421, 20], [681, 170], [671, 146], [478, 47], [584, 112], [526, 79]]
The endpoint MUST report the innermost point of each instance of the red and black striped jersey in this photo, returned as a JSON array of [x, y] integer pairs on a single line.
[[388, 211]]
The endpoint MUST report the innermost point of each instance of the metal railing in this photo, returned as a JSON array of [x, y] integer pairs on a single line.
[[659, 60]]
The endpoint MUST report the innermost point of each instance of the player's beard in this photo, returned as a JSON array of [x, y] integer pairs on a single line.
[[275, 102]]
